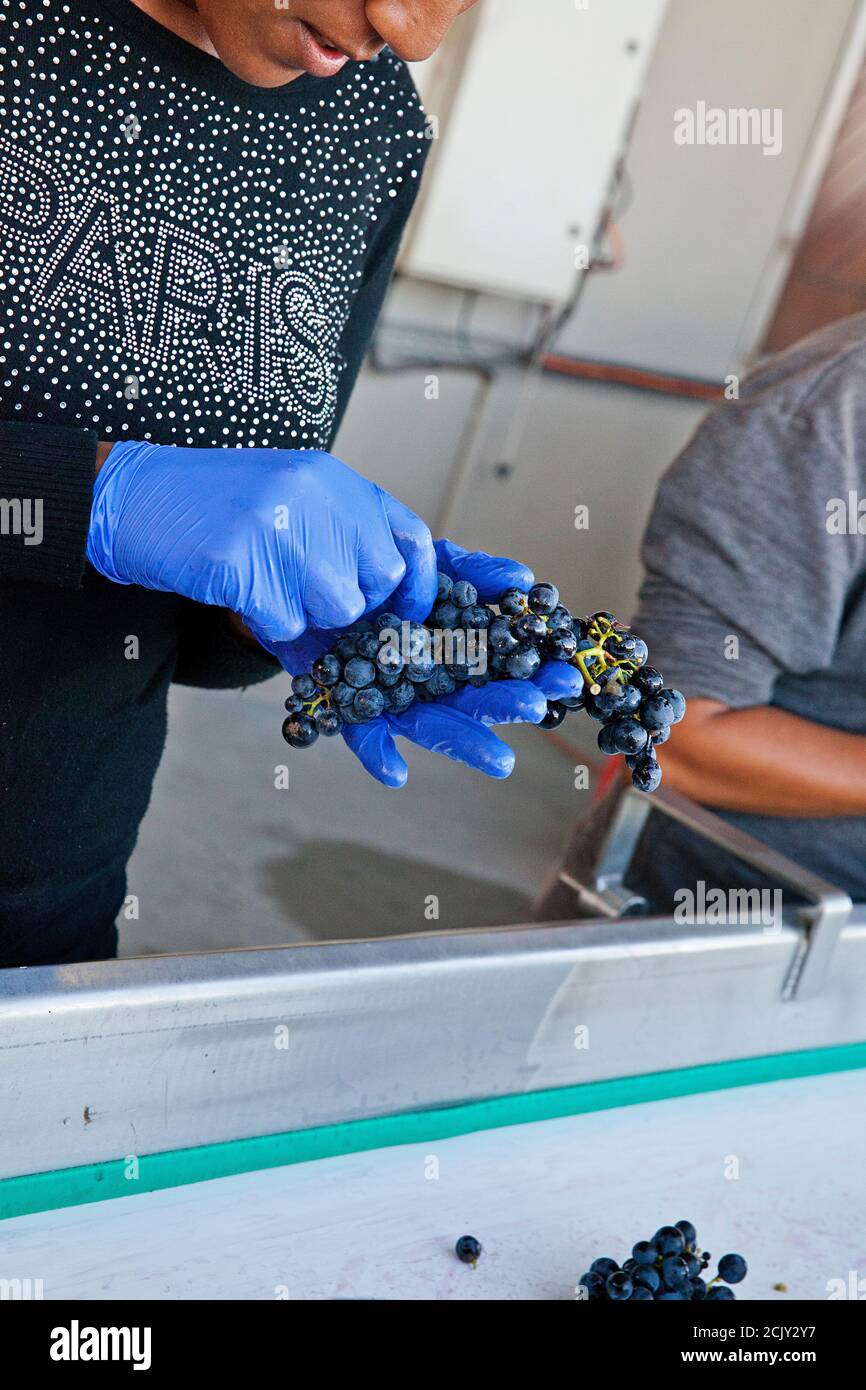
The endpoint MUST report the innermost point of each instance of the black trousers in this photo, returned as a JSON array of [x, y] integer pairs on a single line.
[[78, 925]]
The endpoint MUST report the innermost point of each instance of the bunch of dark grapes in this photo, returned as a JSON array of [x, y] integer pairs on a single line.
[[367, 674], [666, 1269]]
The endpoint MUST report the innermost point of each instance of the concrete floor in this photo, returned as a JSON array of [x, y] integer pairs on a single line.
[[225, 859]]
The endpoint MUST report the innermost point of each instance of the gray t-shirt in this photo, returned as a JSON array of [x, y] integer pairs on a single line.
[[755, 589]]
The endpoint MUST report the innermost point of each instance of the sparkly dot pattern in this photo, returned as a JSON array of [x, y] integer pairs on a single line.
[[179, 254]]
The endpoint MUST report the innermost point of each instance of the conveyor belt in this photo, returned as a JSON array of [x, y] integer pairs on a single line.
[[140, 1058], [543, 1198]]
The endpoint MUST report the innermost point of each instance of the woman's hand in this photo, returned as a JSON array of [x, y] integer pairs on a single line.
[[283, 539]]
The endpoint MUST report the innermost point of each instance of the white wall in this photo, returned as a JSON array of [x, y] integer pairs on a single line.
[[528, 142], [709, 224], [703, 229]]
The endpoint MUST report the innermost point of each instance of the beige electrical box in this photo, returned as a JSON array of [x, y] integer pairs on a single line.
[[530, 104]]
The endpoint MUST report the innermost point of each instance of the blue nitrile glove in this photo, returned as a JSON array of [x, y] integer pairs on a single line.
[[457, 726], [282, 538]]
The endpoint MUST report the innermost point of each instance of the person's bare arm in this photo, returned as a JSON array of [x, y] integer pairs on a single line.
[[103, 449], [766, 761], [240, 629]]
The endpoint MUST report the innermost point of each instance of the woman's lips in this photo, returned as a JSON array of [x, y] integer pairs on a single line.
[[318, 56]]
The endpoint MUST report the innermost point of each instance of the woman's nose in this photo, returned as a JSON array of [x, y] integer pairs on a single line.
[[414, 29]]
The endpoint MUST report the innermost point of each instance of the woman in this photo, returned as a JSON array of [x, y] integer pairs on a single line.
[[201, 203]]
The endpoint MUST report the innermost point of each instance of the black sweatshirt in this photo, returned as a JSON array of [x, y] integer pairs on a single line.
[[185, 259]]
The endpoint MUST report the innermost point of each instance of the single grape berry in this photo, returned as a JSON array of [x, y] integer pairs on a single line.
[[369, 703], [440, 683], [690, 1235], [560, 646], [619, 1286], [677, 702], [647, 1277], [674, 1271], [327, 670], [304, 686], [632, 700], [420, 670], [648, 681], [346, 647], [294, 704], [668, 1240], [560, 620], [621, 647], [385, 679], [556, 713], [611, 699], [718, 1293], [299, 731], [329, 722], [513, 602], [646, 774], [604, 1266], [656, 713], [500, 636], [475, 617], [464, 594], [468, 1249], [644, 1253], [732, 1269], [446, 616], [359, 672], [594, 1285], [606, 742], [342, 694], [543, 598], [523, 664], [444, 586], [368, 645], [530, 628], [389, 660], [639, 1294], [402, 696], [386, 622], [629, 736]]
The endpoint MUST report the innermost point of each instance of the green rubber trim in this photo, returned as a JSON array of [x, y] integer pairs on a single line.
[[95, 1182]]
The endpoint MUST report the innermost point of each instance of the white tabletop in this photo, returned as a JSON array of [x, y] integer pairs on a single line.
[[544, 1199]]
